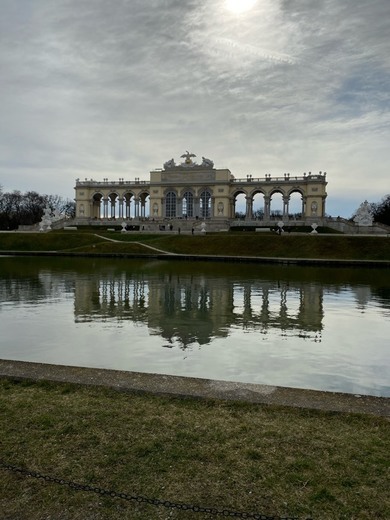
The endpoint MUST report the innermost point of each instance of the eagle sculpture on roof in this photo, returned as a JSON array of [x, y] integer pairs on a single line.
[[188, 156]]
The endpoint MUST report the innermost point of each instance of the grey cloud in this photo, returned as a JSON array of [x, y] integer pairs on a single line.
[[93, 86]]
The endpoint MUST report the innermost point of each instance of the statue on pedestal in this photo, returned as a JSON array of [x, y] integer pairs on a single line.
[[363, 215], [47, 219]]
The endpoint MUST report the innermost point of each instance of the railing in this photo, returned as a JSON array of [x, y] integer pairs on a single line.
[[120, 182], [254, 180], [286, 178], [272, 218]]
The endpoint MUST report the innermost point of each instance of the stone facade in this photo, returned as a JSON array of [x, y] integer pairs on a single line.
[[195, 191]]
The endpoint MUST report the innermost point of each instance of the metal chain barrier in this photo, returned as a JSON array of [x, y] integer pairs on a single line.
[[140, 498]]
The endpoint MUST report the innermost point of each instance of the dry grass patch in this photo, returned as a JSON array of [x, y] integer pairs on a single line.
[[246, 457], [286, 246], [224, 244]]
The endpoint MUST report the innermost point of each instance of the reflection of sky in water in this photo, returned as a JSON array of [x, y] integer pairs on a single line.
[[272, 331]]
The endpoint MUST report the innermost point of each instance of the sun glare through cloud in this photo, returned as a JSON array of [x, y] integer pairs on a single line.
[[239, 6]]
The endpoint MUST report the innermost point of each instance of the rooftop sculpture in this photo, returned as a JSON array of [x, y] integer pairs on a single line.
[[188, 162]]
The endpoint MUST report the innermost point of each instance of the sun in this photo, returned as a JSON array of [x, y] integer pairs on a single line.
[[239, 6]]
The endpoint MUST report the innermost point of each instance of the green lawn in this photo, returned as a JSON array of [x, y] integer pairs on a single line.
[[225, 244]]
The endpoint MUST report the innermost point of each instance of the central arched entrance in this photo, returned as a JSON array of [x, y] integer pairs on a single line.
[[205, 204], [170, 204], [187, 204]]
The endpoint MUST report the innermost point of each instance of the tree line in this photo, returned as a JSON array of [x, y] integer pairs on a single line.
[[381, 210], [25, 209]]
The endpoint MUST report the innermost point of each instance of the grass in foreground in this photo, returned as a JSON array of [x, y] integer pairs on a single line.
[[269, 460]]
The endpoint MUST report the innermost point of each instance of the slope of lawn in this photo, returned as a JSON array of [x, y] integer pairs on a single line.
[[229, 244]]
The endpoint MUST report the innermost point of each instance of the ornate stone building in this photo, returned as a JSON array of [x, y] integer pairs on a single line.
[[193, 191]]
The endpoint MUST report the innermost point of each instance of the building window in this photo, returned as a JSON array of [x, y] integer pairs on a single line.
[[188, 204], [205, 204], [170, 204]]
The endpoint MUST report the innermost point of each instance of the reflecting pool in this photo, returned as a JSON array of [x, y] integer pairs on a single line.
[[313, 327]]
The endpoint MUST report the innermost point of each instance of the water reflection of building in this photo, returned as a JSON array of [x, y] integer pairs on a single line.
[[363, 296], [282, 306], [188, 309], [192, 304], [44, 284]]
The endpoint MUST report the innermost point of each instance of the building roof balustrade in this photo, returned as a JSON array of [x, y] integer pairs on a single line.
[[186, 182], [121, 182], [248, 179], [286, 178]]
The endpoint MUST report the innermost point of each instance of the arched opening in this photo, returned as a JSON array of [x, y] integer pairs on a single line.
[[170, 204], [258, 206], [295, 205], [239, 205], [188, 204], [205, 204], [276, 205], [144, 199]]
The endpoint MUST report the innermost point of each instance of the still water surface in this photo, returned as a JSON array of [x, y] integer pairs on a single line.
[[319, 328]]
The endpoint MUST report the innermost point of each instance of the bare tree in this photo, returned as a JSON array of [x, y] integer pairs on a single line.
[[381, 211], [66, 207], [27, 209], [31, 208], [10, 210]]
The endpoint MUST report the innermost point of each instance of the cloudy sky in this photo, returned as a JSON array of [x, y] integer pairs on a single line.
[[98, 88]]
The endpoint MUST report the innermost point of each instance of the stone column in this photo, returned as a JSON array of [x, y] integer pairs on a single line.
[[105, 208], [112, 208], [249, 207], [285, 206], [179, 206], [232, 209], [267, 203], [304, 200], [143, 208], [128, 206], [323, 207], [212, 206], [136, 207], [196, 206]]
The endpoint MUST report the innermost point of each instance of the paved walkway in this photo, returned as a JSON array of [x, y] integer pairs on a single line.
[[197, 388], [139, 243]]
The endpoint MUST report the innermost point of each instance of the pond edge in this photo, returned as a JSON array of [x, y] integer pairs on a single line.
[[190, 387]]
